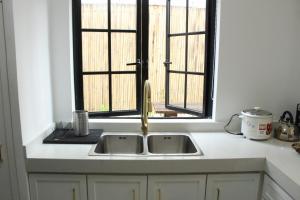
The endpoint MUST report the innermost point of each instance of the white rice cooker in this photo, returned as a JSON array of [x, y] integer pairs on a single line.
[[256, 123]]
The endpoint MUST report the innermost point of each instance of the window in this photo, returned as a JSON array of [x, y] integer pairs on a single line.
[[118, 44]]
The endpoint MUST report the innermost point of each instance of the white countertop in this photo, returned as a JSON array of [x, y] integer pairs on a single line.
[[222, 153]]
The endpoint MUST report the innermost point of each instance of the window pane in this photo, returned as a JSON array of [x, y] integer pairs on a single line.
[[94, 14], [123, 14], [195, 88], [123, 92], [197, 12], [196, 53], [123, 51], [176, 89], [94, 51], [177, 53], [178, 16], [95, 93]]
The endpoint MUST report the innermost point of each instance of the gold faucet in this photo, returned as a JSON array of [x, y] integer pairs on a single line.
[[147, 106]]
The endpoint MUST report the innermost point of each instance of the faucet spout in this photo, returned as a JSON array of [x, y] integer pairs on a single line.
[[147, 106]]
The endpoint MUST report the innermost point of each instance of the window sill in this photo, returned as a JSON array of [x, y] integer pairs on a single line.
[[176, 125]]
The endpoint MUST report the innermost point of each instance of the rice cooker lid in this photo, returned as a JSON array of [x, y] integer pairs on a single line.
[[256, 112]]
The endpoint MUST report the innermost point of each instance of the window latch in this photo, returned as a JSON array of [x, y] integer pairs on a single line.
[[138, 62]]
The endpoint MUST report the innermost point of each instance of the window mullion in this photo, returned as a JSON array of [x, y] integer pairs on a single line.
[[167, 62], [105, 30], [188, 33], [144, 48], [109, 54], [186, 50]]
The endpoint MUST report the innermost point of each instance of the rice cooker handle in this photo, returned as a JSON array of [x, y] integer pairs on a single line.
[[290, 115]]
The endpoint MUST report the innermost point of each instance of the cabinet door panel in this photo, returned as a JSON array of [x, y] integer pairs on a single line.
[[176, 187], [57, 187], [233, 186], [5, 183], [272, 191], [117, 187]]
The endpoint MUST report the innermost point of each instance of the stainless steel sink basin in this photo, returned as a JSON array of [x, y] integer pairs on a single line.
[[154, 144], [172, 144], [119, 144]]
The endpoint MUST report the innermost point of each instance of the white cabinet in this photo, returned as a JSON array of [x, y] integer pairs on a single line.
[[233, 187], [117, 187], [153, 187], [272, 191], [176, 187], [57, 187], [5, 183]]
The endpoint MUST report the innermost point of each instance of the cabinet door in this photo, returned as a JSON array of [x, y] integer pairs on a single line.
[[57, 187], [272, 191], [233, 186], [176, 187], [117, 187], [5, 183]]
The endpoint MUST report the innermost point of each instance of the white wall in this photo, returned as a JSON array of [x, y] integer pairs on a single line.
[[258, 59], [61, 57], [259, 56], [33, 66]]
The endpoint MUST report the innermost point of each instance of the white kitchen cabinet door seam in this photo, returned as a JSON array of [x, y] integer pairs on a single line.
[[233, 187], [57, 187], [176, 187], [110, 187]]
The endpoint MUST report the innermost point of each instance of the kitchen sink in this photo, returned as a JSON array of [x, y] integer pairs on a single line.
[[119, 144], [176, 144], [154, 144]]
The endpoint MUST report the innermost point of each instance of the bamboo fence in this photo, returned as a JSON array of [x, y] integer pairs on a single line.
[[95, 56]]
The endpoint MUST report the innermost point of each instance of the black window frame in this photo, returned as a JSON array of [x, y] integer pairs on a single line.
[[142, 32], [209, 33], [78, 65]]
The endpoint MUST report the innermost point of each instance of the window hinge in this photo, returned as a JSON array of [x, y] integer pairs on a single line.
[[166, 63]]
